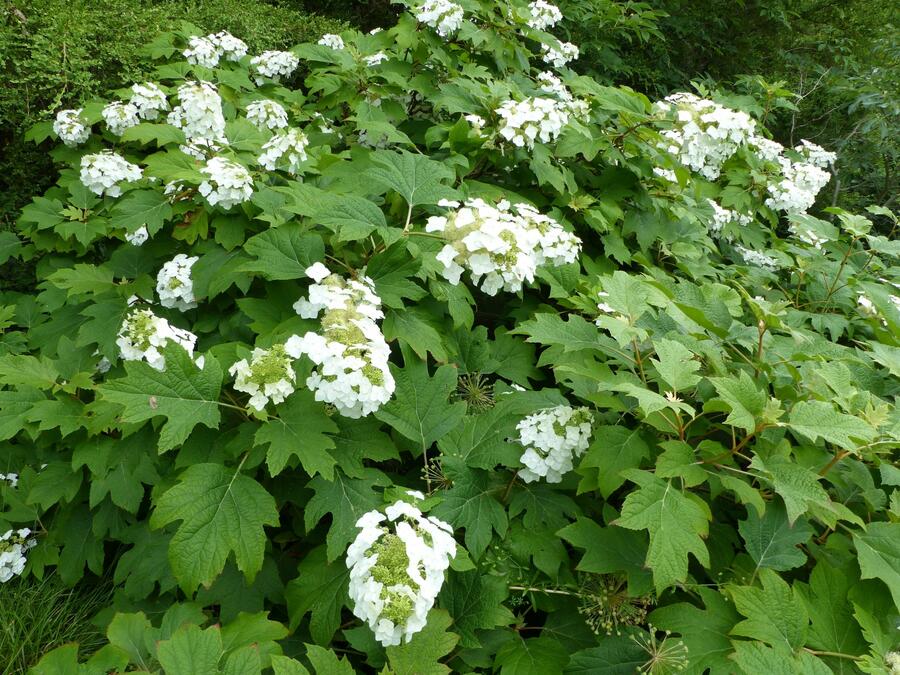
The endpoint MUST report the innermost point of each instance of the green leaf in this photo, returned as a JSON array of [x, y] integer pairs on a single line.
[[133, 634], [283, 252], [775, 613], [420, 408], [755, 658], [612, 450], [552, 329], [795, 484], [878, 551], [22, 370], [422, 654], [320, 588], [833, 628], [470, 503], [145, 132], [43, 212], [417, 178], [300, 429], [142, 207], [617, 655], [15, 406], [284, 665], [185, 395], [475, 602], [610, 550], [392, 271], [676, 523], [528, 657], [326, 662], [83, 278], [675, 364], [353, 217], [418, 329], [772, 541], [192, 650], [346, 499], [745, 401], [10, 246], [705, 632], [222, 511], [818, 419]]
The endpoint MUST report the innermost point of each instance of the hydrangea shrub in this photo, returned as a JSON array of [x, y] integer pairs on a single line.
[[448, 362]]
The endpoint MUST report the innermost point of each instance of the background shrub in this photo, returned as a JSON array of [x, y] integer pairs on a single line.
[[59, 53]]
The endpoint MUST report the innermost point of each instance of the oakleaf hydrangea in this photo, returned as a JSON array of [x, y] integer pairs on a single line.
[[543, 15], [397, 564], [71, 128], [143, 335], [289, 144], [501, 246], [350, 352], [274, 65], [559, 55], [102, 173], [535, 118], [332, 40], [444, 16], [202, 51], [268, 376], [174, 285], [227, 183], [705, 134], [13, 546], [267, 114], [552, 439], [199, 114], [120, 116], [138, 237], [149, 100]]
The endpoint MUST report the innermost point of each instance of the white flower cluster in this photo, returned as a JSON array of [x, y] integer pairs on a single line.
[[705, 134], [800, 181], [143, 335], [666, 174], [397, 564], [374, 59], [501, 246], [561, 55], [120, 116], [11, 478], [331, 40], [206, 51], [543, 15], [351, 353], [722, 217], [444, 16], [13, 546], [866, 307], [227, 183], [552, 439], [267, 114], [149, 100], [102, 173], [551, 84], [535, 118], [174, 284], [138, 237], [274, 65], [892, 661], [291, 143], [199, 114], [757, 258], [71, 129], [267, 377]]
